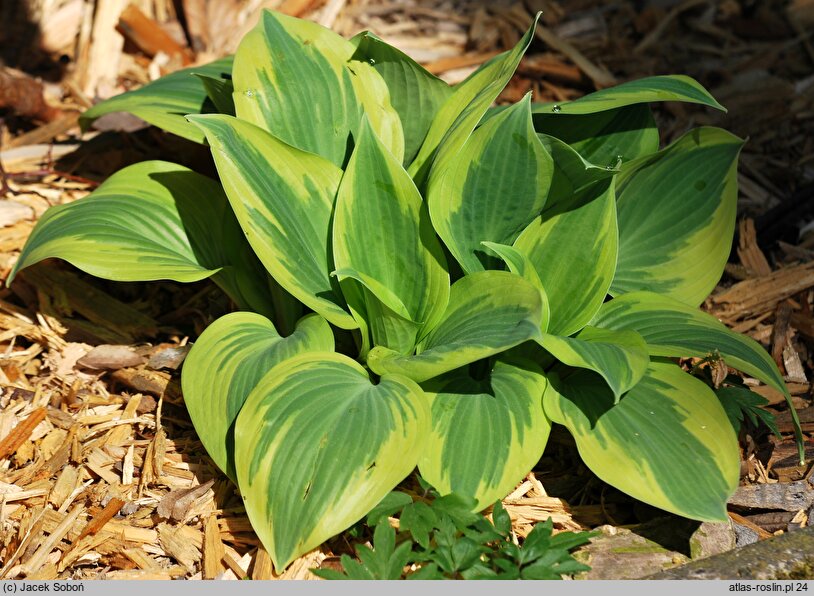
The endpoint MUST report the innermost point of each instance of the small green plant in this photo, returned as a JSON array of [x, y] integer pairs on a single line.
[[444, 539], [423, 280]]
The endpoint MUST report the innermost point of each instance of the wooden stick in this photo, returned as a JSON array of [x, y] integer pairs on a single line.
[[148, 35], [20, 433], [112, 508]]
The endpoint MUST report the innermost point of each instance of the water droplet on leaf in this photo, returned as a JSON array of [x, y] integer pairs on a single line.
[[700, 185], [372, 62], [556, 109], [248, 93]]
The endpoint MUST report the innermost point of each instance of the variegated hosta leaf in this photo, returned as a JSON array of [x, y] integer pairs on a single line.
[[294, 79], [486, 434], [220, 92], [153, 220], [226, 363], [488, 313], [573, 249], [676, 214], [492, 189], [650, 89], [572, 172], [166, 101], [460, 113], [607, 137], [283, 198], [318, 445], [671, 328], [384, 240], [290, 79], [374, 97], [668, 441], [620, 357], [415, 93], [519, 264]]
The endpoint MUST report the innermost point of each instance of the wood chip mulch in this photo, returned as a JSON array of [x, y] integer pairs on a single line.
[[101, 473]]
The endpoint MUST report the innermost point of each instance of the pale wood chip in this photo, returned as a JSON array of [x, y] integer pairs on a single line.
[[179, 544], [213, 551], [141, 559], [128, 466], [263, 568], [38, 559], [101, 464]]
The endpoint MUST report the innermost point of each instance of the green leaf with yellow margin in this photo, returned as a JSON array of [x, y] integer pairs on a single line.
[[573, 248], [486, 434], [283, 198], [647, 90], [295, 79], [673, 329], [374, 96], [415, 93], [383, 238], [676, 212], [519, 264], [493, 188], [667, 442], [606, 138], [149, 221], [462, 111], [166, 102], [620, 357], [319, 445], [226, 363], [488, 313]]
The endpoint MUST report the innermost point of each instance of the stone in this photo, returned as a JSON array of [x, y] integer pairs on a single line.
[[712, 538], [791, 496], [744, 536], [618, 553], [788, 556]]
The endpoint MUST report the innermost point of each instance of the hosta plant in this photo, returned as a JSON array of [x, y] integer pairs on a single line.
[[425, 280]]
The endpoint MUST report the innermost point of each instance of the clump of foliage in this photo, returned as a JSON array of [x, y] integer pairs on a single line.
[[444, 539], [423, 280]]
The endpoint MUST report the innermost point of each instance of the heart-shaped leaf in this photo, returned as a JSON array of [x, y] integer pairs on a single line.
[[283, 198], [226, 363], [153, 220], [318, 445], [667, 442], [488, 313], [486, 434], [676, 212]]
